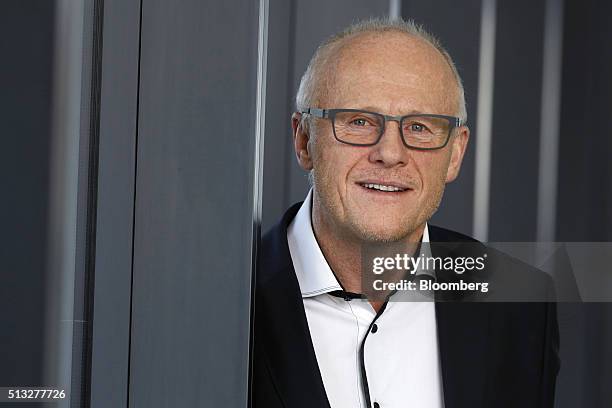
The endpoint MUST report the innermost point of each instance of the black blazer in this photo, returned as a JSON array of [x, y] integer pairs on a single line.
[[492, 354]]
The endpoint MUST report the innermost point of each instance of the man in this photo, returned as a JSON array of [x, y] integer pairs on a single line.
[[380, 126]]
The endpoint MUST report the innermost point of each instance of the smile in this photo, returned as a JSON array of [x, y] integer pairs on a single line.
[[383, 187]]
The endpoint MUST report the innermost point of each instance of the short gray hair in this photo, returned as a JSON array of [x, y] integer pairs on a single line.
[[312, 77]]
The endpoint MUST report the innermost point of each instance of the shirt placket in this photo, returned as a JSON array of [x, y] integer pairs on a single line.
[[373, 331]]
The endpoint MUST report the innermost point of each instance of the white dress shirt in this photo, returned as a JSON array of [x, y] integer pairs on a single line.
[[400, 346]]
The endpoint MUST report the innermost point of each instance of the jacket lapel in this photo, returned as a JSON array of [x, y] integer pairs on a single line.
[[288, 348], [463, 331]]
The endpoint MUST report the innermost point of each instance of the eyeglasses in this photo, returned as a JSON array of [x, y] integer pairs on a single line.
[[362, 128]]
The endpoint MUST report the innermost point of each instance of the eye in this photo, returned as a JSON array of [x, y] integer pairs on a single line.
[[417, 127], [359, 122]]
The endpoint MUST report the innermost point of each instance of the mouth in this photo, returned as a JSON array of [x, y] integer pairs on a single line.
[[387, 188]]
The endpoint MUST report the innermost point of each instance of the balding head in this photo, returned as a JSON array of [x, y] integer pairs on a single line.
[[318, 82]]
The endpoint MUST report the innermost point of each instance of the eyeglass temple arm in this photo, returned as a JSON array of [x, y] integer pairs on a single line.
[[319, 113]]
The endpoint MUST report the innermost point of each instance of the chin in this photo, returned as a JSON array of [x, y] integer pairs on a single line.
[[382, 232]]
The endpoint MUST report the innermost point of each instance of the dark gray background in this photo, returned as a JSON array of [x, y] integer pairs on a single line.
[[26, 53]]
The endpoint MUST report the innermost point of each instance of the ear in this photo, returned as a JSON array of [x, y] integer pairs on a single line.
[[301, 139], [458, 144]]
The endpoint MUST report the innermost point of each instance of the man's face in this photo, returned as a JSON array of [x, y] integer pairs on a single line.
[[396, 75]]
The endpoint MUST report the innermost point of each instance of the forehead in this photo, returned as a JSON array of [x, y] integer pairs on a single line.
[[394, 72]]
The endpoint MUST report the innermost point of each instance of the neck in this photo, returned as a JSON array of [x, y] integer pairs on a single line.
[[342, 249], [341, 253]]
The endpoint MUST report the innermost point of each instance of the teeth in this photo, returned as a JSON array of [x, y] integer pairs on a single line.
[[382, 187]]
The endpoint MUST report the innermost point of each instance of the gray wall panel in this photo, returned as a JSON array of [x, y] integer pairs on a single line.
[[117, 160], [516, 121], [278, 157], [193, 218]]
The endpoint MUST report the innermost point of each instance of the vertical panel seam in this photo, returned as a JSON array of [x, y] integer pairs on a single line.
[[484, 119], [92, 199], [549, 120], [395, 9], [288, 158], [129, 363], [260, 126]]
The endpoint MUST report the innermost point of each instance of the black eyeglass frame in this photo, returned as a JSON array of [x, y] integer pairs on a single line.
[[454, 122]]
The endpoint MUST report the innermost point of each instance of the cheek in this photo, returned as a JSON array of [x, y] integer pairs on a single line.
[[335, 162], [433, 170]]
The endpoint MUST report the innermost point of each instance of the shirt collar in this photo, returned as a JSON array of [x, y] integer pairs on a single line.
[[313, 273], [312, 270]]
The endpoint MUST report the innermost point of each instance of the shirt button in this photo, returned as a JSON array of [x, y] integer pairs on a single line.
[[374, 328], [376, 405]]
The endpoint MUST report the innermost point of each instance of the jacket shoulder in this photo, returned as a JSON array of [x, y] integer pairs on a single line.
[[274, 252], [439, 234]]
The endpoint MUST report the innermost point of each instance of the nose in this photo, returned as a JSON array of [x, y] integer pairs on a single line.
[[390, 150]]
